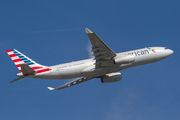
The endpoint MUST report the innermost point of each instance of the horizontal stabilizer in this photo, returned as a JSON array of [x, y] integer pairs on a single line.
[[18, 79], [26, 70]]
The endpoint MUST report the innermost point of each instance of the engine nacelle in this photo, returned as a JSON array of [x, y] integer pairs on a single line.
[[112, 77], [124, 59]]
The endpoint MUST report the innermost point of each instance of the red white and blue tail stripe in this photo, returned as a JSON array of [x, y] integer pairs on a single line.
[[19, 58]]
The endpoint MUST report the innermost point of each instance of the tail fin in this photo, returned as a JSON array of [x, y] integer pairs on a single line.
[[18, 58]]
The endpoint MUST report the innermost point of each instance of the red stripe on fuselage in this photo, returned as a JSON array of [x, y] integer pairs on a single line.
[[43, 70], [34, 68], [38, 67]]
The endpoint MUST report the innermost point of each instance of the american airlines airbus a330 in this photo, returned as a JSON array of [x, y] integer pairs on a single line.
[[104, 65]]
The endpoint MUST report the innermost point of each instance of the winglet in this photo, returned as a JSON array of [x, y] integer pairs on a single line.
[[50, 88], [88, 31]]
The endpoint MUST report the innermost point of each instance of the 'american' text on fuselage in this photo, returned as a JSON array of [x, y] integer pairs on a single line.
[[138, 53]]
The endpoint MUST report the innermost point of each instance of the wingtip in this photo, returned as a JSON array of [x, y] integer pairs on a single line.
[[50, 88], [88, 31]]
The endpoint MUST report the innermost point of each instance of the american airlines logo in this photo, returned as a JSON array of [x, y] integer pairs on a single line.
[[141, 52], [152, 50]]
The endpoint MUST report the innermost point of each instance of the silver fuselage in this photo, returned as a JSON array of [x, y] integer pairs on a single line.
[[87, 67]]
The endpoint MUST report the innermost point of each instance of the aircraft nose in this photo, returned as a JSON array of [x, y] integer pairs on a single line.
[[164, 53], [170, 52]]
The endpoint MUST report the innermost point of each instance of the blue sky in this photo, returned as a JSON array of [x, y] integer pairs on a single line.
[[52, 32]]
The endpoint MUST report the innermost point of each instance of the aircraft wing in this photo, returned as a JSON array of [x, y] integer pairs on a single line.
[[102, 53], [71, 83]]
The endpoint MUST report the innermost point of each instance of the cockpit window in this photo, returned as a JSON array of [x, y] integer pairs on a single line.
[[165, 48]]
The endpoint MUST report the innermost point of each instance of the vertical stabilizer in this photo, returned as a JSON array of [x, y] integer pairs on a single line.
[[18, 58]]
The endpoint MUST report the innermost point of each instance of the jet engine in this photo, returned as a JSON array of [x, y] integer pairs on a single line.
[[111, 77], [124, 59]]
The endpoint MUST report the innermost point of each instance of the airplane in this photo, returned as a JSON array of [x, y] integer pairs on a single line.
[[105, 64]]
